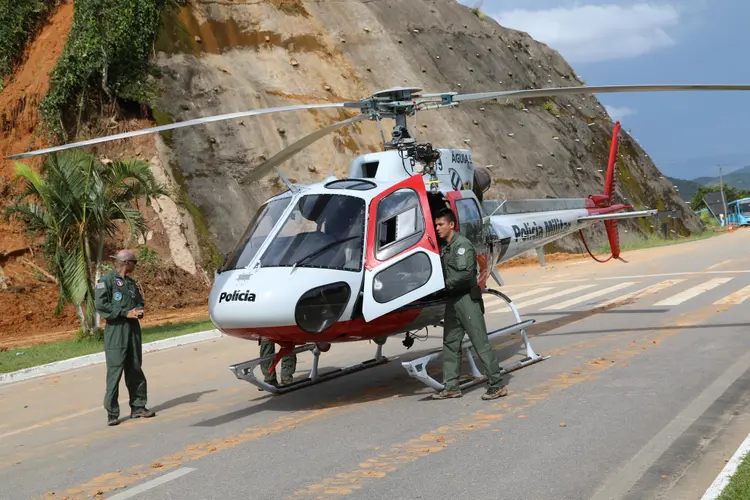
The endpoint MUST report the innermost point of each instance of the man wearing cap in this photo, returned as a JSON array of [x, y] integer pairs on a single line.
[[119, 301]]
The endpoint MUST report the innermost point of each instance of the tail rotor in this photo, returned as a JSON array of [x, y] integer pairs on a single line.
[[605, 201]]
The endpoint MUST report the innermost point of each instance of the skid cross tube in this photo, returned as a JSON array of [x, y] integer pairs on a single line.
[[245, 370], [418, 368]]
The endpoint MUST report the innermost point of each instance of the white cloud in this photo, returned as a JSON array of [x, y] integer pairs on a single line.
[[594, 33], [619, 113]]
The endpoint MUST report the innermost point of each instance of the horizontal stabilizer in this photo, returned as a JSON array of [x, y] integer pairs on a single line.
[[624, 215]]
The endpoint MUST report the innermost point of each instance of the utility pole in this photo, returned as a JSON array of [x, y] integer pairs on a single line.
[[721, 186]]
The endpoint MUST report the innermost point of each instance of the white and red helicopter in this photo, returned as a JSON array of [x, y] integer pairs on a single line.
[[357, 259]]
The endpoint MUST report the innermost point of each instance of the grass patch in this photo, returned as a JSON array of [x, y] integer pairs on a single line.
[[659, 241], [11, 361], [738, 487]]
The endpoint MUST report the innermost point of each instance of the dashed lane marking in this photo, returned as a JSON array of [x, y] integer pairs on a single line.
[[401, 454], [658, 287], [592, 295], [692, 292], [737, 297], [153, 483]]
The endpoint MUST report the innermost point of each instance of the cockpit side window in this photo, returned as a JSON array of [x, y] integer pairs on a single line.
[[324, 231], [257, 231], [400, 223]]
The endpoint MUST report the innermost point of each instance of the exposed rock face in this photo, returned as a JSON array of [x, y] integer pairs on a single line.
[[222, 57]]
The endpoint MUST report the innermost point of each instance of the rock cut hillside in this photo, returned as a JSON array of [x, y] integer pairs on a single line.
[[221, 57], [216, 57]]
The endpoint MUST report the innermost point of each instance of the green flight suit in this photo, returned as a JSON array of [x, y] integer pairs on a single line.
[[288, 364], [463, 315], [115, 296]]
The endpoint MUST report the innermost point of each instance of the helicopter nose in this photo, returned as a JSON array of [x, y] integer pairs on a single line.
[[312, 302]]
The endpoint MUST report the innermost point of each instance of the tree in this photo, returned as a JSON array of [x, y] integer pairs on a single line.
[[730, 194], [75, 201]]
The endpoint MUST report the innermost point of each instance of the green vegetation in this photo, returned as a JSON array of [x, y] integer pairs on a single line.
[[74, 202], [730, 194], [106, 57], [48, 353], [550, 106], [738, 487], [20, 21], [481, 15]]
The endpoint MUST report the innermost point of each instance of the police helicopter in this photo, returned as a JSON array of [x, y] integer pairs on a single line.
[[358, 259]]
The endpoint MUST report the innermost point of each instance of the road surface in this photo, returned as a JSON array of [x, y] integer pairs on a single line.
[[645, 397]]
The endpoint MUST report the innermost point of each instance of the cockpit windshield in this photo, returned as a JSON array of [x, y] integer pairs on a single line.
[[323, 231], [256, 233]]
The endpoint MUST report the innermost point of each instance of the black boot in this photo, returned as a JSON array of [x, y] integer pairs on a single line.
[[112, 420], [141, 412]]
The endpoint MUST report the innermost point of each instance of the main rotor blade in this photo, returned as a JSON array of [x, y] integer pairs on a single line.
[[593, 89], [187, 123], [295, 148]]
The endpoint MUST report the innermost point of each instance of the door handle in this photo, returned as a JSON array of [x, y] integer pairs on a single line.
[[432, 243]]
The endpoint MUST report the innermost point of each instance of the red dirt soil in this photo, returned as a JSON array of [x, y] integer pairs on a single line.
[[27, 301]]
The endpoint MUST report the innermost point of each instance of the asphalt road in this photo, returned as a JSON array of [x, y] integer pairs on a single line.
[[642, 398]]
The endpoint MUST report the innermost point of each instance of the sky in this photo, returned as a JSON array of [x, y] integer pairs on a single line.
[[688, 134]]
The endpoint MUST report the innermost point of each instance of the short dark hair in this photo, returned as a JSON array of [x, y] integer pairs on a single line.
[[446, 213]]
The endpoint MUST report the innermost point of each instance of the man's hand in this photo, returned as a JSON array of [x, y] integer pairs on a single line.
[[135, 313]]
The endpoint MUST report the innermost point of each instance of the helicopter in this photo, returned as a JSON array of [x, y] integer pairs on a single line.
[[358, 259]]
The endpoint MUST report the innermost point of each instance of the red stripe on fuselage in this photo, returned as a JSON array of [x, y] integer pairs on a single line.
[[343, 331]]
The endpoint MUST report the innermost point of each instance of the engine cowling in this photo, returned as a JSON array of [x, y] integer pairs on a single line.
[[482, 181]]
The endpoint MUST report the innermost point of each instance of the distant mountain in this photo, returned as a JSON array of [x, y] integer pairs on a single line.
[[690, 168], [687, 189], [738, 179]]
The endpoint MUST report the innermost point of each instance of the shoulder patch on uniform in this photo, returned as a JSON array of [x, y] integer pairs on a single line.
[[118, 282], [100, 284], [461, 251], [117, 296]]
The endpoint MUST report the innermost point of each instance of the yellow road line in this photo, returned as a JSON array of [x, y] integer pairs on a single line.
[[121, 479], [114, 481], [402, 454]]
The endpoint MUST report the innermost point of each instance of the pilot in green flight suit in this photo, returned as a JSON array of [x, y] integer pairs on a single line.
[[288, 365], [120, 303], [463, 313]]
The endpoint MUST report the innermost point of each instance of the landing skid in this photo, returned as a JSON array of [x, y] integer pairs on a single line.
[[245, 370], [418, 367]]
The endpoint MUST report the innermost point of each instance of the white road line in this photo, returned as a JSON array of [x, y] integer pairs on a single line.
[[152, 484], [497, 301], [578, 280], [719, 264], [692, 292], [582, 298], [644, 292], [620, 481], [737, 297], [544, 298], [50, 422], [56, 420], [730, 468]]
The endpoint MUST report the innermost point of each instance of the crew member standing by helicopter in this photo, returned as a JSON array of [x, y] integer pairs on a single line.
[[288, 365], [119, 301], [464, 312]]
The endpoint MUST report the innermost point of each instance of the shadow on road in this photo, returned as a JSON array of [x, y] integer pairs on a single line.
[[391, 380]]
